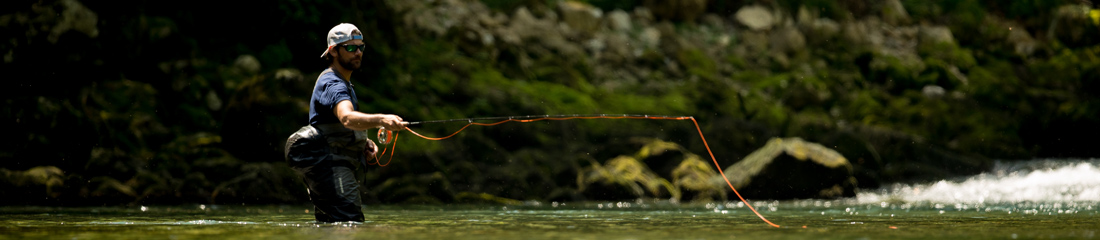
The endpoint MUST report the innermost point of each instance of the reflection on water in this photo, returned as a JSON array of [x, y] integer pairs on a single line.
[[985, 206]]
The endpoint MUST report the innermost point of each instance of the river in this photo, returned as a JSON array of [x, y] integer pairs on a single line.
[[1016, 200]]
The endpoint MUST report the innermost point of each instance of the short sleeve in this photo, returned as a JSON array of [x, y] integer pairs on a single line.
[[334, 92]]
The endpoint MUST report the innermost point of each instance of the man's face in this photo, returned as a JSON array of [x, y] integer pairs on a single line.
[[349, 60]]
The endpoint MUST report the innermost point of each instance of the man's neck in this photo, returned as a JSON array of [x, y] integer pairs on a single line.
[[344, 73]]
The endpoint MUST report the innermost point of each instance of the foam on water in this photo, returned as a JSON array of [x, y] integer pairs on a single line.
[[1039, 181]]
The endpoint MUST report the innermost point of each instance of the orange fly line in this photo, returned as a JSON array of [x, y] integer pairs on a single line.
[[385, 137]]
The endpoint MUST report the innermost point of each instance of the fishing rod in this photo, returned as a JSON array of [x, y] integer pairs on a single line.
[[384, 136], [571, 116]]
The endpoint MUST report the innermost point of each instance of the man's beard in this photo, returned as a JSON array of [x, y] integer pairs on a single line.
[[350, 64]]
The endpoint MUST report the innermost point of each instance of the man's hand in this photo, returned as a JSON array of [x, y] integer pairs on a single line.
[[370, 151], [392, 122]]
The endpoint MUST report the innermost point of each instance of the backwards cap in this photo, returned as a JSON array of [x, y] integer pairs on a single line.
[[340, 34]]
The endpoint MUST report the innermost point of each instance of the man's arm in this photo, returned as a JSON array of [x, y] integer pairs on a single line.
[[355, 120]]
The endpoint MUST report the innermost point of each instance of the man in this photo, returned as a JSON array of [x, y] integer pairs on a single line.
[[334, 144]]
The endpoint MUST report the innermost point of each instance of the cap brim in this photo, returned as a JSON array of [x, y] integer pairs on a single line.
[[326, 52]]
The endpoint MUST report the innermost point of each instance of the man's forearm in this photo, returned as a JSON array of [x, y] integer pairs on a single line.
[[361, 121]]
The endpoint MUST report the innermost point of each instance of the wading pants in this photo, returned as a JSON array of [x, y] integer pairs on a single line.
[[326, 156]]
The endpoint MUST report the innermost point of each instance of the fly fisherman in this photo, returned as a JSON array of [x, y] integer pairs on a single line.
[[327, 152]]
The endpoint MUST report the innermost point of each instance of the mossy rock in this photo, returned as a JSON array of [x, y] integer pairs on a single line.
[[790, 168]]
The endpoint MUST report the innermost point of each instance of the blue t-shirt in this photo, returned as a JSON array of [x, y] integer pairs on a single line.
[[329, 90]]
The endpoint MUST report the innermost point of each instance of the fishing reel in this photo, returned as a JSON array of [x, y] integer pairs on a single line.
[[384, 137]]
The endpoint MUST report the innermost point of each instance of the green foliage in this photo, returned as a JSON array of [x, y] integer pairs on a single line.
[[161, 115], [276, 56], [1027, 8], [698, 64]]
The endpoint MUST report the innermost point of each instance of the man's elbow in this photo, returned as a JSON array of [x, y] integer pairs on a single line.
[[346, 121]]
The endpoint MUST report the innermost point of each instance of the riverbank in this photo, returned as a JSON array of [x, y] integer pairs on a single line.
[[161, 106]]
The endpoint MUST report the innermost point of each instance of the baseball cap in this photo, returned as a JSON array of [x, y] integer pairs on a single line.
[[340, 34]]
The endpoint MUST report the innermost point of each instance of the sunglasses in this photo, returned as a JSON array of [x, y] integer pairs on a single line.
[[353, 48]]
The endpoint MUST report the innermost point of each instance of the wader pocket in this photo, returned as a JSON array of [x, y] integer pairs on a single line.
[[306, 148]]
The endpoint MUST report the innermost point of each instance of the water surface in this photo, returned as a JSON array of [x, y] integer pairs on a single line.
[[1056, 200]]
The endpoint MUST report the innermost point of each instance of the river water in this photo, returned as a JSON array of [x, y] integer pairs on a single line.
[[1037, 199]]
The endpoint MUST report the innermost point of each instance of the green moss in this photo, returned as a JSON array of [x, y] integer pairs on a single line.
[[698, 64]]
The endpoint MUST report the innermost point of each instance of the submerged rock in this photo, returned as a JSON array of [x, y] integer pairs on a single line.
[[790, 168]]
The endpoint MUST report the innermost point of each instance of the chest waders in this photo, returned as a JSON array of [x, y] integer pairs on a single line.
[[326, 155]]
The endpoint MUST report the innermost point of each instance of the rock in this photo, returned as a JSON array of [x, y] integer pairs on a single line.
[[755, 17], [868, 31], [822, 29], [213, 101], [289, 74], [677, 10], [1021, 41], [714, 21], [623, 177], [788, 40], [618, 48], [693, 178], [804, 16], [894, 13], [247, 64], [755, 41], [657, 169], [643, 15], [520, 27], [936, 34], [650, 37], [619, 20], [53, 19], [956, 75], [41, 176], [580, 17], [1072, 25], [791, 168], [933, 91]]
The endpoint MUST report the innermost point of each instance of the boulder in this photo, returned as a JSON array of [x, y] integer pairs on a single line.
[[657, 169], [643, 16], [936, 34], [1074, 25], [790, 168], [788, 40], [247, 65], [822, 29], [619, 21], [624, 177], [933, 91], [755, 17], [893, 12], [868, 31], [580, 17], [650, 37]]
